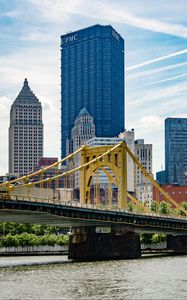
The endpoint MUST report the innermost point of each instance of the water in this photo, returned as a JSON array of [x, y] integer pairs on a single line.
[[145, 278]]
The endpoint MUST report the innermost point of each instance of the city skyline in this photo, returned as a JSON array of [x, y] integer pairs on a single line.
[[156, 52]]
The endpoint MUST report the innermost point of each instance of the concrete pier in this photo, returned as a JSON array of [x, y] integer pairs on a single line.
[[102, 243], [178, 243]]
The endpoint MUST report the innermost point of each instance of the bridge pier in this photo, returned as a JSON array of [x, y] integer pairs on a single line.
[[178, 243], [102, 243]]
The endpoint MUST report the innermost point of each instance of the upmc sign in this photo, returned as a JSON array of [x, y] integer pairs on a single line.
[[70, 38]]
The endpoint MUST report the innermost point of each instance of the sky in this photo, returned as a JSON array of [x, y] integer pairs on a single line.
[[155, 34]]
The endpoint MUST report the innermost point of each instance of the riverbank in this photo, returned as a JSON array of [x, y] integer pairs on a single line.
[[34, 250], [62, 250]]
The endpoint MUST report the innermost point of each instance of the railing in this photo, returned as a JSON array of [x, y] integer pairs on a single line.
[[41, 249], [80, 205]]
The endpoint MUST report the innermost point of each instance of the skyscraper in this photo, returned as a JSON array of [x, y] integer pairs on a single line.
[[92, 76], [83, 130], [25, 132], [143, 187], [176, 150]]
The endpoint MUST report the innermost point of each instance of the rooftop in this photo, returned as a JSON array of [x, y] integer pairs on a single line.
[[26, 96]]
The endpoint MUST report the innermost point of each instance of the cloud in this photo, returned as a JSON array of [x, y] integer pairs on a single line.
[[5, 103], [149, 122], [47, 104], [158, 59], [10, 14], [62, 11], [116, 13], [38, 37], [184, 115], [159, 94]]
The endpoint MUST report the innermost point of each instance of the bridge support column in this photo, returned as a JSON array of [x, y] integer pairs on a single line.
[[178, 243], [102, 243]]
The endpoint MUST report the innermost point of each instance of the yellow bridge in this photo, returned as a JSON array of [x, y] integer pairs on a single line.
[[111, 160], [100, 230]]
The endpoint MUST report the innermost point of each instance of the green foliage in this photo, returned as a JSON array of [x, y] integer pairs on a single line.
[[154, 206], [30, 239], [62, 240], [158, 238], [163, 208], [7, 227], [9, 241], [134, 207], [48, 240], [130, 206], [13, 234], [15, 228], [147, 238], [184, 206]]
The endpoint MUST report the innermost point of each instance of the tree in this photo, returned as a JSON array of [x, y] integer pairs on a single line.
[[158, 238], [10, 241], [154, 206], [184, 206], [130, 206], [146, 238], [62, 240], [163, 208]]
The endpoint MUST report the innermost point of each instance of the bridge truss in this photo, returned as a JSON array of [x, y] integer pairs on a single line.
[[84, 167]]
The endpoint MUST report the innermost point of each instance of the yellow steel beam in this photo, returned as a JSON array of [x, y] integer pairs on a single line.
[[39, 172], [135, 201], [147, 175], [68, 172]]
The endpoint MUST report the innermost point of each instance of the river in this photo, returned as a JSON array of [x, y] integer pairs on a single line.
[[57, 278]]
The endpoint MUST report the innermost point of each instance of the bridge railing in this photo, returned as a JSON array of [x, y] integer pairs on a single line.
[[75, 204]]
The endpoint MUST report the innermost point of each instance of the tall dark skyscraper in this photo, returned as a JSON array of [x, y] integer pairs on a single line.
[[92, 76], [176, 150]]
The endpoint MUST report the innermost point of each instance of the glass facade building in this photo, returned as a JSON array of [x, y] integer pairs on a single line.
[[92, 76], [176, 150]]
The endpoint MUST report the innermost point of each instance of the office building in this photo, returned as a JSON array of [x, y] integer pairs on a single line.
[[83, 130], [92, 76], [143, 187], [176, 150], [161, 177], [25, 132], [177, 193], [54, 171]]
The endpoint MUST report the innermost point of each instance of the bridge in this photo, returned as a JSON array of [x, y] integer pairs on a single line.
[[100, 229]]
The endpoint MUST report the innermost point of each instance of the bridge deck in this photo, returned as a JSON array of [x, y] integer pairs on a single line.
[[73, 214]]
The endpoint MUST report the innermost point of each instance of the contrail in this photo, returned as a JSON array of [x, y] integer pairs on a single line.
[[149, 62], [168, 79]]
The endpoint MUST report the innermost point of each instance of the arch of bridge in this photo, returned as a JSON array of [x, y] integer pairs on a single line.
[[112, 161]]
